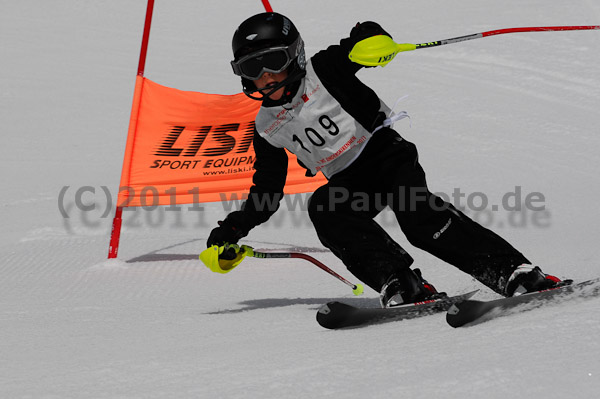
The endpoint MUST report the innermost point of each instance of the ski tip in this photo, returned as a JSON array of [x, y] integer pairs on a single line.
[[336, 306], [453, 316], [470, 295], [324, 309], [465, 312], [453, 310], [333, 315]]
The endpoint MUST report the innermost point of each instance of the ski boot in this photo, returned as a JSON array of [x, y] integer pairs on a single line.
[[405, 287], [527, 278]]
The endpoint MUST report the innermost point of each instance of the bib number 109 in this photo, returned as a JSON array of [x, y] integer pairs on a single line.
[[314, 137]]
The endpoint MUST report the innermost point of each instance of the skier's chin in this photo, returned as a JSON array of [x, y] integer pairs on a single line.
[[273, 96]]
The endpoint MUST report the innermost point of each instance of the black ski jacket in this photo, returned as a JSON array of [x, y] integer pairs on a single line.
[[337, 73]]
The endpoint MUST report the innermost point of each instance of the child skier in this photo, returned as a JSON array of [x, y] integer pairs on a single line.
[[320, 111]]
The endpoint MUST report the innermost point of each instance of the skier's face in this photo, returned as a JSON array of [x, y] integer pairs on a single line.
[[268, 80]]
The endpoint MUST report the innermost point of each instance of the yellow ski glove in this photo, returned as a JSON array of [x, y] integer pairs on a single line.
[[377, 50]]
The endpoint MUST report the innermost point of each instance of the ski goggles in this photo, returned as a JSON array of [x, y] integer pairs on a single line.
[[273, 59]]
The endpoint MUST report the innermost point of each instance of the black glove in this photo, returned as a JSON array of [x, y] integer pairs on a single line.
[[225, 233], [360, 32], [365, 30]]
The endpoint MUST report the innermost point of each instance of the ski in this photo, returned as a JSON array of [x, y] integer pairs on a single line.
[[470, 312], [334, 315]]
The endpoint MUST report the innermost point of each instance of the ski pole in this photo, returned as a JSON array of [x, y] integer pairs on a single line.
[[503, 31], [223, 259], [381, 49], [357, 289]]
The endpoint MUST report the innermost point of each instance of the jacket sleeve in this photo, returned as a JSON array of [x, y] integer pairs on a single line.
[[267, 190], [338, 74]]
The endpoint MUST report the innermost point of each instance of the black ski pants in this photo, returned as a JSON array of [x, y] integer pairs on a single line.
[[388, 174]]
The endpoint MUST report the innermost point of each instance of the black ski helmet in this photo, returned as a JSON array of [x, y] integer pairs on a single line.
[[263, 33]]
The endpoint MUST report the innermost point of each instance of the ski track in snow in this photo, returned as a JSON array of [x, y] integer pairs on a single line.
[[487, 115]]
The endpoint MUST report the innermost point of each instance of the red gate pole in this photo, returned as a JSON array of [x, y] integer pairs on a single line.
[[145, 38], [115, 233], [268, 7]]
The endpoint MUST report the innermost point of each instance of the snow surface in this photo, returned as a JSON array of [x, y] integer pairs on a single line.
[[490, 116]]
